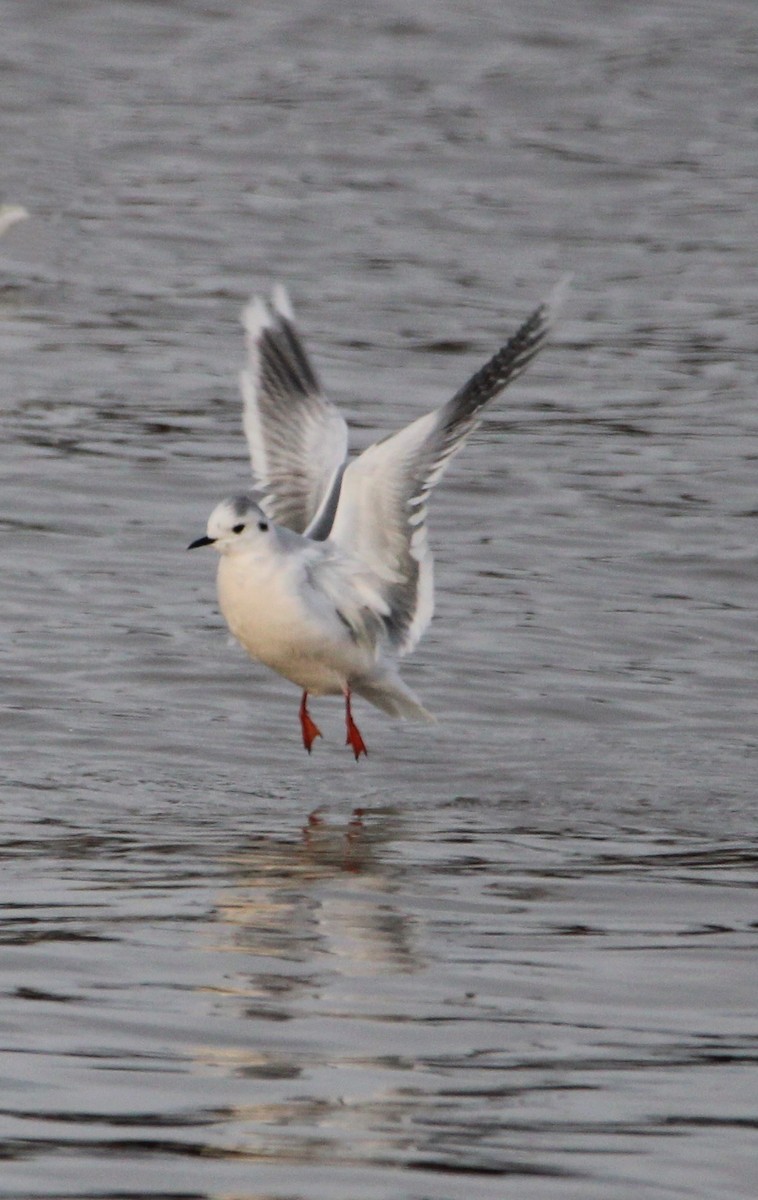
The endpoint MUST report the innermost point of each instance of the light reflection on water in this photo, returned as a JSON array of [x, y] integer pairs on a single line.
[[507, 956], [472, 1000]]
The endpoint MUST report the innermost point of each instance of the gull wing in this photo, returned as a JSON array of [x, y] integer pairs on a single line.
[[381, 512], [297, 438]]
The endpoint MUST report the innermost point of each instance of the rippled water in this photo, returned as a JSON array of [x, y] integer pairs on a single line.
[[510, 956]]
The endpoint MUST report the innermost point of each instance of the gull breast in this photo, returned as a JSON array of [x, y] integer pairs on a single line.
[[264, 608]]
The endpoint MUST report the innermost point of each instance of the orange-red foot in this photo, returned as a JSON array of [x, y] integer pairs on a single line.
[[354, 739], [309, 727]]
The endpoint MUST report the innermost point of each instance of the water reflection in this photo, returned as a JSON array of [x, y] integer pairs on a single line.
[[382, 991], [375, 1028], [317, 932], [327, 896]]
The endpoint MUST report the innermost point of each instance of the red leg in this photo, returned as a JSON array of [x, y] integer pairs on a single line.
[[309, 727], [354, 738]]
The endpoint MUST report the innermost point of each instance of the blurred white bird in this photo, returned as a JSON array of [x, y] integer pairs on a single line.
[[9, 215], [326, 574]]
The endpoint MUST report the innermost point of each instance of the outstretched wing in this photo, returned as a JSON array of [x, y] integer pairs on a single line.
[[297, 438], [381, 513]]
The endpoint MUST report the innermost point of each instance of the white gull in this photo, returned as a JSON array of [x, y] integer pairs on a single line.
[[326, 575]]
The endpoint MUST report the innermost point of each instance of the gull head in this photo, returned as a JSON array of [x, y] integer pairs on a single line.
[[235, 524]]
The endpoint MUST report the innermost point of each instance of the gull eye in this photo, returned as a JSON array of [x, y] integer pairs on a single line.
[[237, 528], [263, 526]]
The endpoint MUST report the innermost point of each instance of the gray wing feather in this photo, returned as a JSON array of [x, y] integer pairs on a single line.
[[297, 439], [381, 513]]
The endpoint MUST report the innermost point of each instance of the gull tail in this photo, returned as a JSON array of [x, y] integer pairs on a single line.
[[387, 691]]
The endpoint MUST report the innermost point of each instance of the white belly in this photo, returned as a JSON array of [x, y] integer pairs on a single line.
[[264, 612]]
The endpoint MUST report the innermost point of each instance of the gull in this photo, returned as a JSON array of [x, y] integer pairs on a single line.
[[325, 572]]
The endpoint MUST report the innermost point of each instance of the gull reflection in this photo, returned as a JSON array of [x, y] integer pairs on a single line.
[[326, 898], [309, 923]]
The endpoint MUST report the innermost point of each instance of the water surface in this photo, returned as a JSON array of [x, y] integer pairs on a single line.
[[510, 955]]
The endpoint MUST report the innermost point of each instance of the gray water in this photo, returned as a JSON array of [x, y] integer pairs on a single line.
[[508, 956]]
